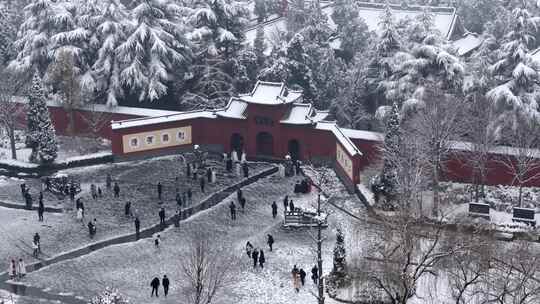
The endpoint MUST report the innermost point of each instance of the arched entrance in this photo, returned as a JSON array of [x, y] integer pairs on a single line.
[[265, 144], [237, 143], [294, 149]]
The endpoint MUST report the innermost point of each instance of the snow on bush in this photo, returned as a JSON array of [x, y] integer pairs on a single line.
[[109, 296]]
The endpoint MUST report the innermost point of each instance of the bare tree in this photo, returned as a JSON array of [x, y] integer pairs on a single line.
[[206, 269], [95, 119], [479, 124], [522, 160], [437, 123], [11, 111], [64, 77]]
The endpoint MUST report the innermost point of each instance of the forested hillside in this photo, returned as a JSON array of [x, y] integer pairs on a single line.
[[184, 54]]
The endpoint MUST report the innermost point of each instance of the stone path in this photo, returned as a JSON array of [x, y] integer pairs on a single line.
[[208, 202]]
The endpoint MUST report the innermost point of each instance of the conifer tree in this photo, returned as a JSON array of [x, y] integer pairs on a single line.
[[259, 45], [340, 265], [392, 140], [41, 136]]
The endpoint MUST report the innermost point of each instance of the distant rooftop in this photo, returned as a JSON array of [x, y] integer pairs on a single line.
[[271, 93]]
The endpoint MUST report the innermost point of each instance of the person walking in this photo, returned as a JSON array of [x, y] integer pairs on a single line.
[[255, 257], [270, 241], [37, 240], [262, 260], [302, 276], [315, 274], [127, 209], [286, 202], [239, 194], [159, 190], [162, 216], [23, 190], [232, 206], [155, 285], [296, 281], [249, 249], [243, 203], [291, 206], [157, 240], [165, 282], [40, 210], [108, 181], [202, 182], [116, 190], [137, 227], [100, 193], [21, 268], [12, 270], [274, 209], [93, 191], [80, 215], [178, 199]]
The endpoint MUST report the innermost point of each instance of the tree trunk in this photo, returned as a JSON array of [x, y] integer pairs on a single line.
[[520, 194], [319, 254], [11, 133], [436, 189]]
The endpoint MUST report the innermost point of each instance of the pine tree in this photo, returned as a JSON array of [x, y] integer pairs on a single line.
[[155, 48], [259, 46], [261, 10], [340, 265], [516, 94], [388, 42], [41, 136], [392, 141], [296, 16], [218, 27], [111, 32]]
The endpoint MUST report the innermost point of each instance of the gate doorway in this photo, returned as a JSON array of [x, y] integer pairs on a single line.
[[237, 143], [294, 149], [265, 144]]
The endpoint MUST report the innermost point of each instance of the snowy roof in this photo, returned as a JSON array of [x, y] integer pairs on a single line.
[[271, 93], [177, 116], [340, 136], [361, 134], [444, 19], [236, 108], [500, 150], [466, 44], [303, 114]]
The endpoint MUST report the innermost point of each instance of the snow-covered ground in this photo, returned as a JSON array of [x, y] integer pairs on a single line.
[[130, 267]]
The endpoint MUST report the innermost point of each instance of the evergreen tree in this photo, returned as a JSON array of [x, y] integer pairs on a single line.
[[388, 41], [8, 25], [218, 27], [259, 46], [340, 265], [296, 16], [392, 140], [155, 49], [111, 32], [41, 136], [516, 94]]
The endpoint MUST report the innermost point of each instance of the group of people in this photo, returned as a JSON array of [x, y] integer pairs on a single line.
[[299, 277], [256, 254], [155, 285], [288, 204], [17, 269]]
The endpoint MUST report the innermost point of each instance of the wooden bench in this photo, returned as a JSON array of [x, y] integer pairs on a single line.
[[479, 210], [524, 215], [300, 218]]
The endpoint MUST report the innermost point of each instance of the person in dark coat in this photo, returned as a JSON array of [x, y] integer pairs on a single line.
[[239, 194], [40, 210], [245, 168], [270, 241], [255, 257], [262, 260], [162, 216], [232, 207], [286, 202], [243, 203], [127, 209], [137, 227], [165, 282], [23, 190], [159, 190], [188, 169], [100, 193], [274, 209], [29, 201], [155, 286], [202, 182], [40, 198], [302, 276], [91, 229], [249, 249], [37, 241], [178, 199], [209, 175], [315, 274], [116, 190], [291, 206]]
